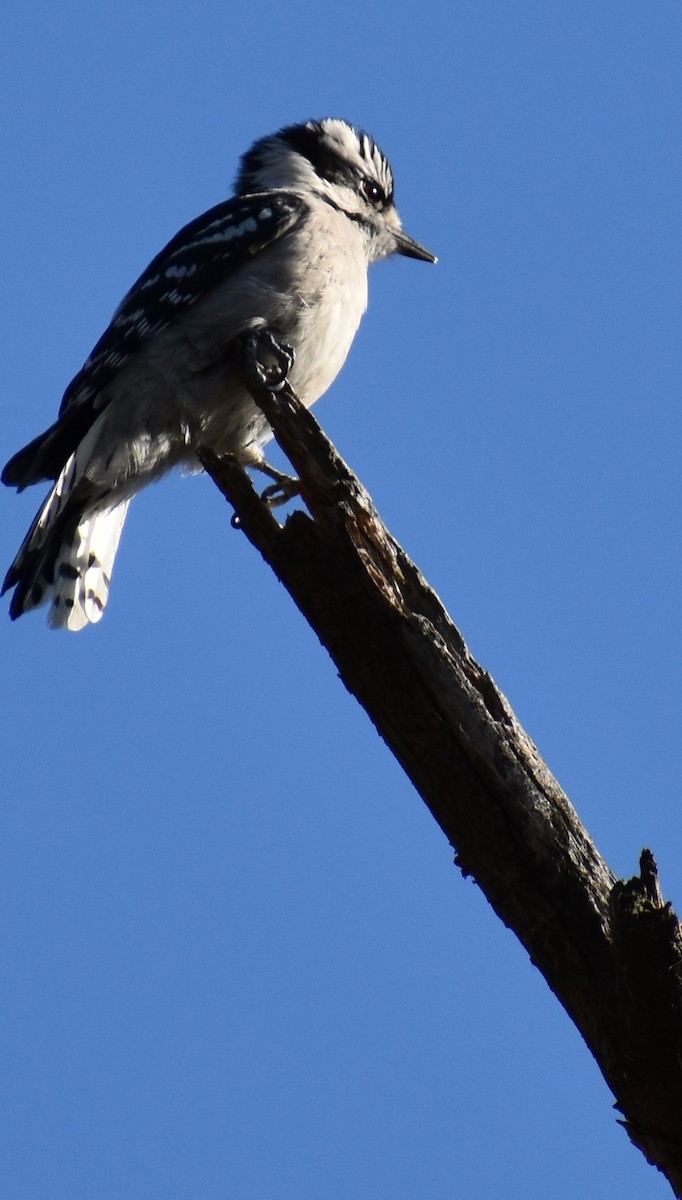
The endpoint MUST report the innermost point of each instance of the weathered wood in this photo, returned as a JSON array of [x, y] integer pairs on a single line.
[[610, 951]]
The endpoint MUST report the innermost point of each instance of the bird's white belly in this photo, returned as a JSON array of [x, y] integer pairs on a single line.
[[322, 339]]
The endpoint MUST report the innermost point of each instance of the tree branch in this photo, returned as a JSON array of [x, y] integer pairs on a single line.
[[611, 951]]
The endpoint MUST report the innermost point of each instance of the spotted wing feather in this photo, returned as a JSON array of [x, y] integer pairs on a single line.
[[67, 556], [195, 261]]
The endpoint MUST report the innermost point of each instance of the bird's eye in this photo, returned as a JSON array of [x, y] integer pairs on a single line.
[[373, 193]]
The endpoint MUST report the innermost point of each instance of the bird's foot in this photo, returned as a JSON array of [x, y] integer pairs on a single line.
[[284, 487], [269, 361]]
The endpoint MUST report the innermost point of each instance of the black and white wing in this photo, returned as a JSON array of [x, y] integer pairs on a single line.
[[196, 260]]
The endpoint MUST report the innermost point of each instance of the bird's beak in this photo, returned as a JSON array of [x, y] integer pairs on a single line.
[[411, 249]]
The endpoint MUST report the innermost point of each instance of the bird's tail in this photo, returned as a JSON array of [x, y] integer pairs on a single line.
[[67, 556]]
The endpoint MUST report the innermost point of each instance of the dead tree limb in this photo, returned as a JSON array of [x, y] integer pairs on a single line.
[[611, 951]]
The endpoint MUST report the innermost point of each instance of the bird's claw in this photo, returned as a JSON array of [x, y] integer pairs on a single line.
[[270, 361], [278, 493]]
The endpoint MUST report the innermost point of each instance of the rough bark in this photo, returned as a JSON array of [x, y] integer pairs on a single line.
[[611, 951]]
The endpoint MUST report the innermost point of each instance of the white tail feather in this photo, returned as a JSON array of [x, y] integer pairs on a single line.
[[83, 569]]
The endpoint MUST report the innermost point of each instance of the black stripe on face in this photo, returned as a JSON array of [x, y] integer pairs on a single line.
[[356, 218], [312, 142]]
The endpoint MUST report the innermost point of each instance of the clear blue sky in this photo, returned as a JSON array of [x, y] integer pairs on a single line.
[[238, 961]]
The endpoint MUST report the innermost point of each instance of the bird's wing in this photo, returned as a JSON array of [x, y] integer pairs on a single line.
[[201, 256], [198, 258]]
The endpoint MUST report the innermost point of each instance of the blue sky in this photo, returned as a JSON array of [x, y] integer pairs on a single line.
[[238, 960]]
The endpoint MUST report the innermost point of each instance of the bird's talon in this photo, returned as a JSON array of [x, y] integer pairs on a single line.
[[269, 360], [279, 493]]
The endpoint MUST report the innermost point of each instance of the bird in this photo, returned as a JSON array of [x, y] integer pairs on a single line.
[[287, 254]]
